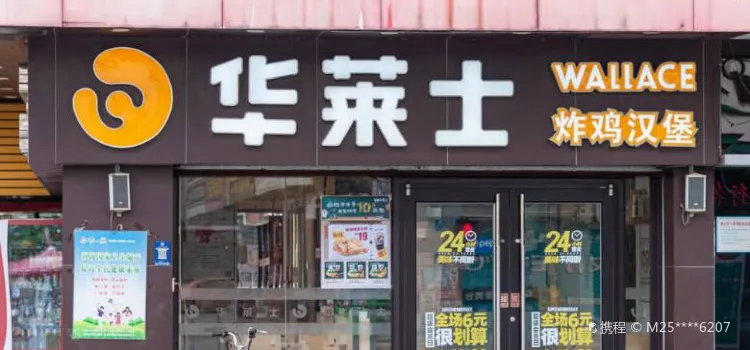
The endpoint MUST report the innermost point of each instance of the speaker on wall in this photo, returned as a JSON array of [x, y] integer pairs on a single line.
[[695, 193], [119, 192]]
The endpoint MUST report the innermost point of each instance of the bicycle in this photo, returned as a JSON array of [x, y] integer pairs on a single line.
[[235, 343]]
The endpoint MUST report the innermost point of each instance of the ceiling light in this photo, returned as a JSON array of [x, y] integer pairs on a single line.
[[7, 89], [256, 31], [120, 30], [3, 78], [10, 97]]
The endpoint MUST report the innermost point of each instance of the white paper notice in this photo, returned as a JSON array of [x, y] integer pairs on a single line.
[[733, 234]]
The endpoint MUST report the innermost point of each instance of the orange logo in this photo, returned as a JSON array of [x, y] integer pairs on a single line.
[[140, 124]]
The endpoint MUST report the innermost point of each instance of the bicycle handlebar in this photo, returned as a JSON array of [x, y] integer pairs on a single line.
[[251, 333]]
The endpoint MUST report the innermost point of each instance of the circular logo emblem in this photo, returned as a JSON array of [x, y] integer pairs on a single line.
[[300, 311], [576, 235], [192, 312], [470, 236]]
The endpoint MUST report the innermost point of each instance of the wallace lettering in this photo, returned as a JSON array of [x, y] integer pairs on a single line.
[[623, 77], [675, 129]]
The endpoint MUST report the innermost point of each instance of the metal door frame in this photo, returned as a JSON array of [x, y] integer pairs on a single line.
[[508, 195]]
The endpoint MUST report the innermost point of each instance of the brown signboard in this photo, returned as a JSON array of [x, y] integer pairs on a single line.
[[345, 100]]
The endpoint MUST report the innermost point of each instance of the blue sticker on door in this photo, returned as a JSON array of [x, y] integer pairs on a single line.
[[162, 253]]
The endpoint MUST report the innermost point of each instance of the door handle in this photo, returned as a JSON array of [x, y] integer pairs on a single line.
[[496, 268], [522, 266]]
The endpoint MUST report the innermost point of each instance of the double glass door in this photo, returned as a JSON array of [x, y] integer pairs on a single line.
[[508, 265]]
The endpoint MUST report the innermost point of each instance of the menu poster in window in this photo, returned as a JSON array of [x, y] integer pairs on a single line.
[[355, 242], [109, 285]]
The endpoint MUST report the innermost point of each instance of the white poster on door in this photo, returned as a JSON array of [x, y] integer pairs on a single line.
[[732, 234]]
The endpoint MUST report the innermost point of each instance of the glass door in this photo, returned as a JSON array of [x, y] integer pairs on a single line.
[[508, 264], [563, 234], [453, 237]]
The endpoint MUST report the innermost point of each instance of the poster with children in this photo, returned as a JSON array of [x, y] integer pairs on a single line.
[[355, 242], [109, 285]]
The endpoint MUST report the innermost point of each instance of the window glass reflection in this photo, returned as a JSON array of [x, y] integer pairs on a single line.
[[563, 274], [34, 263], [454, 285], [638, 261], [250, 255]]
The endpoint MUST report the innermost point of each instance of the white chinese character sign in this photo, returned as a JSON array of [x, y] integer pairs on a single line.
[[365, 115], [369, 101]]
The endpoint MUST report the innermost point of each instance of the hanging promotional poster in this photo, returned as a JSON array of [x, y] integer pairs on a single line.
[[109, 285], [563, 247], [459, 247], [355, 242], [456, 328], [562, 328]]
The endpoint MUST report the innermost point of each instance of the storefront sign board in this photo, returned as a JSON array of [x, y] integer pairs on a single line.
[[109, 285], [355, 242], [735, 108], [732, 234], [249, 100]]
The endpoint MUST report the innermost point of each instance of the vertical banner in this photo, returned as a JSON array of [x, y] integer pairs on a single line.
[[355, 242], [109, 286], [457, 328], [5, 314]]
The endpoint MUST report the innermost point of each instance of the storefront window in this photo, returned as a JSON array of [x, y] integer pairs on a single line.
[[306, 259], [638, 261], [34, 262]]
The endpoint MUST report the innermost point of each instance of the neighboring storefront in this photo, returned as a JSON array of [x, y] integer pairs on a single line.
[[377, 192], [732, 199]]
